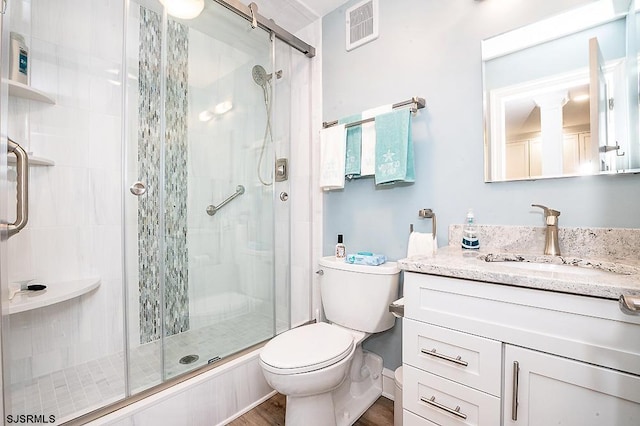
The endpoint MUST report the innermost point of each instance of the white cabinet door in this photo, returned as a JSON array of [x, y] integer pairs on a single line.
[[552, 390], [517, 160], [571, 154]]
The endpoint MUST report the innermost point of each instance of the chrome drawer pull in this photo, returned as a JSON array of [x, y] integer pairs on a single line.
[[514, 398], [458, 360], [630, 305], [455, 412]]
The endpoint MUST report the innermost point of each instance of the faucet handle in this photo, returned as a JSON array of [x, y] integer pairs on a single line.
[[547, 210], [550, 215]]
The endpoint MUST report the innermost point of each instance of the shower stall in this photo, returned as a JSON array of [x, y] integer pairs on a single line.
[[159, 219]]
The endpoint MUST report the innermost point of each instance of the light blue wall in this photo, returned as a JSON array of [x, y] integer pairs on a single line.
[[431, 48]]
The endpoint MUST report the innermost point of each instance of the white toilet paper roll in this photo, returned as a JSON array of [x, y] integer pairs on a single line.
[[421, 244]]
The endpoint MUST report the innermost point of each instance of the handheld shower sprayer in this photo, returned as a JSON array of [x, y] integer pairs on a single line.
[[259, 75]]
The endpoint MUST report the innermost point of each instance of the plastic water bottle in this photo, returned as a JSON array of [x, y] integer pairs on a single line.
[[470, 233]]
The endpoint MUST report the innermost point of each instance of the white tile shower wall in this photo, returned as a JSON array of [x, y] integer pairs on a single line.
[[309, 94], [74, 227], [300, 205]]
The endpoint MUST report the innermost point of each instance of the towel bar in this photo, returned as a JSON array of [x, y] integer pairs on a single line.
[[415, 102]]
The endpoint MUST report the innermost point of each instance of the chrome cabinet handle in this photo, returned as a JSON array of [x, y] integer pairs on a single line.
[[454, 411], [22, 187], [630, 305], [457, 360], [138, 188], [514, 397]]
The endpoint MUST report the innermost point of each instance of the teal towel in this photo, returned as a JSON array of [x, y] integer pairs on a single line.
[[394, 147], [354, 146]]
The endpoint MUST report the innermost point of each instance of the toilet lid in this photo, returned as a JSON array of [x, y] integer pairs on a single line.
[[306, 348]]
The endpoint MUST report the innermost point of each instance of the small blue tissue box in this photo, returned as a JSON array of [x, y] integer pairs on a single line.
[[366, 258]]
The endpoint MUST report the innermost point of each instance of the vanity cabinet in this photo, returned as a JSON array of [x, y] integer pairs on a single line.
[[477, 353]]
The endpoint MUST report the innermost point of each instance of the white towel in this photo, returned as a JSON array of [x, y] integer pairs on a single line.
[[421, 244], [368, 155], [333, 142]]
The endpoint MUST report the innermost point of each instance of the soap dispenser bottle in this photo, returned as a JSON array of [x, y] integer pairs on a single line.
[[341, 251], [470, 233]]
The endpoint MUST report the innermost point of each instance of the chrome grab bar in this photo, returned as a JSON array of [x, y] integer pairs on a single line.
[[22, 187], [630, 305], [211, 209]]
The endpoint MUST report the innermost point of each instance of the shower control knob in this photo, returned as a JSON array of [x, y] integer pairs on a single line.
[[284, 196], [138, 188]]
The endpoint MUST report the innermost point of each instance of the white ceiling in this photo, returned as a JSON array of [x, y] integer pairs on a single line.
[[293, 15]]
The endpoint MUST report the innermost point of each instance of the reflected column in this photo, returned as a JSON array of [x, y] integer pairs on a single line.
[[551, 130]]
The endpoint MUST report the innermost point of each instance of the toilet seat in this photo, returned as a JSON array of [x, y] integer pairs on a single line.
[[307, 348]]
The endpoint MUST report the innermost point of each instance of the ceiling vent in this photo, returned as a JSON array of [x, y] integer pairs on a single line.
[[361, 23]]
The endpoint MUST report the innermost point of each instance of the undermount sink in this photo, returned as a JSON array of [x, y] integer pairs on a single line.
[[560, 264], [552, 267]]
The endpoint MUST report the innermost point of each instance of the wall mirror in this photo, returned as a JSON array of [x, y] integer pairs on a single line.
[[561, 95]]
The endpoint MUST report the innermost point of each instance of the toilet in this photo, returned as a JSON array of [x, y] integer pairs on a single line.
[[321, 368]]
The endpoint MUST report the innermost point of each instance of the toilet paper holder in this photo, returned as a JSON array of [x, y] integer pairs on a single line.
[[426, 214]]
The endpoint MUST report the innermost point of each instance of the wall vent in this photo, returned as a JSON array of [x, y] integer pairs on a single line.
[[361, 23]]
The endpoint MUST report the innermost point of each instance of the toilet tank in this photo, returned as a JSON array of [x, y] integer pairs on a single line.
[[358, 296]]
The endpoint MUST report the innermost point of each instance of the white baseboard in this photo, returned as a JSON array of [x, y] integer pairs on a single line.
[[388, 384]]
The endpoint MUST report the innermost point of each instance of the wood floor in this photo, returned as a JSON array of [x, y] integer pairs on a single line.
[[271, 413]]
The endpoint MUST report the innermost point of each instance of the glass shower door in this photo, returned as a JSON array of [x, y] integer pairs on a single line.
[[200, 237]]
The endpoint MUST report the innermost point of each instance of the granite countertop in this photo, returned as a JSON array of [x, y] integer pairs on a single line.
[[605, 278]]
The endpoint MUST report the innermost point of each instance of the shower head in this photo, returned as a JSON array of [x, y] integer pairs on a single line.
[[260, 76]]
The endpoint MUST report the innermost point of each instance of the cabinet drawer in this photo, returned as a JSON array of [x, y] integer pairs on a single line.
[[410, 419], [449, 403], [464, 358]]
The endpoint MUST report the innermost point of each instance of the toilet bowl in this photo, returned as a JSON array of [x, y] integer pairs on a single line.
[[321, 368], [309, 359]]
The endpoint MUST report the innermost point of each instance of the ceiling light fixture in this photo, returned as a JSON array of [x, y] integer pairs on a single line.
[[183, 9]]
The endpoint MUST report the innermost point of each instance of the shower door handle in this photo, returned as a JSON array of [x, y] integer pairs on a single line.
[[138, 188], [22, 187]]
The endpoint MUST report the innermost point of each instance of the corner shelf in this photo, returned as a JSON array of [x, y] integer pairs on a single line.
[[33, 161], [54, 293], [27, 92]]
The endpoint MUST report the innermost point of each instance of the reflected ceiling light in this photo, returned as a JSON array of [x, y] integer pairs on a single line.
[[183, 9], [221, 108], [205, 115], [580, 98]]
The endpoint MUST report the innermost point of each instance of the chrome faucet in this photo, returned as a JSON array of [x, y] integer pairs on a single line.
[[551, 246]]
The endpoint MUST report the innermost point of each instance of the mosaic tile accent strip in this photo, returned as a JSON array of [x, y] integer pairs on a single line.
[[176, 308], [176, 303], [149, 108]]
